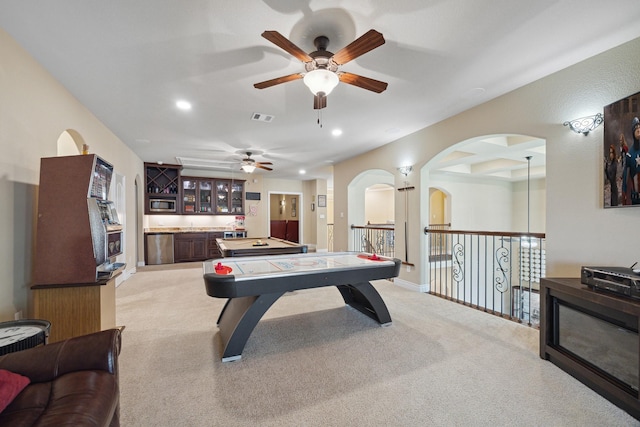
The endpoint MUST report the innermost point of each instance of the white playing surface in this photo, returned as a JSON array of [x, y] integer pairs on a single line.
[[246, 267]]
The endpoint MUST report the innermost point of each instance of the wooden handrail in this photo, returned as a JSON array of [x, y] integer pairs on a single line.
[[373, 227], [488, 233]]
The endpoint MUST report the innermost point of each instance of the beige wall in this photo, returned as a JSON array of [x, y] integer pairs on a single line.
[[378, 205], [35, 110], [579, 231], [437, 207], [286, 213]]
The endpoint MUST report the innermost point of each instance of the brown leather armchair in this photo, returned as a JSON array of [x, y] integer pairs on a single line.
[[73, 382]]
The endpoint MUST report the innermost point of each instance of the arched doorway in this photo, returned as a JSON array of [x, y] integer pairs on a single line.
[[69, 143], [484, 184], [480, 189], [438, 207], [379, 184]]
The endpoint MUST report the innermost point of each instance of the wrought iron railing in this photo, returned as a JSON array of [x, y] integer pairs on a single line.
[[374, 238], [496, 272], [437, 241]]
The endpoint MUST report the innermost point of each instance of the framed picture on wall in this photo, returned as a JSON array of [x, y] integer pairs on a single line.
[[322, 201], [294, 207], [622, 153]]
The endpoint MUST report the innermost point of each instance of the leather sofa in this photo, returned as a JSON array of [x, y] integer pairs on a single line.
[[73, 382]]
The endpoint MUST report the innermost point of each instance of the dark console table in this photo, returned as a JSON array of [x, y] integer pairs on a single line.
[[593, 336]]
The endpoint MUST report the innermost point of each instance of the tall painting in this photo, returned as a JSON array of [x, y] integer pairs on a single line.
[[622, 152]]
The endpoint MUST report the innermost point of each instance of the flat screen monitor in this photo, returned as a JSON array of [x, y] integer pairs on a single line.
[[101, 180]]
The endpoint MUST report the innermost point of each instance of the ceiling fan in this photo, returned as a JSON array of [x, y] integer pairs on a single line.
[[321, 66], [249, 165]]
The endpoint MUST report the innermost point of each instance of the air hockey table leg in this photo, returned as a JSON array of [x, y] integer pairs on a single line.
[[238, 319], [366, 299]]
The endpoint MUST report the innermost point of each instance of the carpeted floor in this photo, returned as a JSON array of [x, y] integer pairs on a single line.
[[312, 361]]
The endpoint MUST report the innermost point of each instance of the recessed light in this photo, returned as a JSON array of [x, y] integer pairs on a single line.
[[336, 132], [183, 105], [302, 171]]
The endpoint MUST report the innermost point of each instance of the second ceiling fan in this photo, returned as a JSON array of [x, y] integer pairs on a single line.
[[321, 66]]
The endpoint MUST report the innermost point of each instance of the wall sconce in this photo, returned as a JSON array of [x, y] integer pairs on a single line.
[[405, 170], [584, 125]]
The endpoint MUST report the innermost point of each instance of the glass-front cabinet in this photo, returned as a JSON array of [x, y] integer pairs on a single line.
[[228, 196], [212, 196], [197, 194], [237, 190], [205, 194]]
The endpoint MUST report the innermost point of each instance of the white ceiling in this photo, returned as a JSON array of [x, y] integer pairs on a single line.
[[130, 61]]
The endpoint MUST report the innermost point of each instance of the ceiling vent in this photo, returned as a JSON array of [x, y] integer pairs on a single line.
[[191, 163], [261, 117]]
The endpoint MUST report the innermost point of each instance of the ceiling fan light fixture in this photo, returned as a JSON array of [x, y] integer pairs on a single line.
[[248, 168], [321, 80]]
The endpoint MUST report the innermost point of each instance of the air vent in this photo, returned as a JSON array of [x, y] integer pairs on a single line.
[[261, 117]]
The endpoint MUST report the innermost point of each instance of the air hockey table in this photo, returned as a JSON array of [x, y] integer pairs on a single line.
[[248, 246], [253, 284]]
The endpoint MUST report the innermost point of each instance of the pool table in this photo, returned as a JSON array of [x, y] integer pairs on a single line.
[[252, 246], [253, 284]]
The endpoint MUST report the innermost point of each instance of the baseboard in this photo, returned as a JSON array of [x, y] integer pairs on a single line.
[[125, 275], [410, 285]]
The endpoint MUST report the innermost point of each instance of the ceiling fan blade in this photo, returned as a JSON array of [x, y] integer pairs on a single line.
[[277, 81], [263, 167], [363, 44], [284, 43], [363, 82], [265, 163], [319, 101]]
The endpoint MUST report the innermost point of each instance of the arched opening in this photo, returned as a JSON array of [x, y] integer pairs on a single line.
[[139, 214], [489, 184], [365, 186], [69, 143], [489, 192], [439, 204]]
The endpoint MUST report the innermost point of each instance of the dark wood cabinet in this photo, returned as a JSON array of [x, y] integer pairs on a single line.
[[197, 195], [169, 193], [229, 197], [190, 247], [162, 189], [214, 250], [593, 336]]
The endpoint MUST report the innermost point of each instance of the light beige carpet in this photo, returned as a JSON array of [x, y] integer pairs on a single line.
[[312, 361]]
